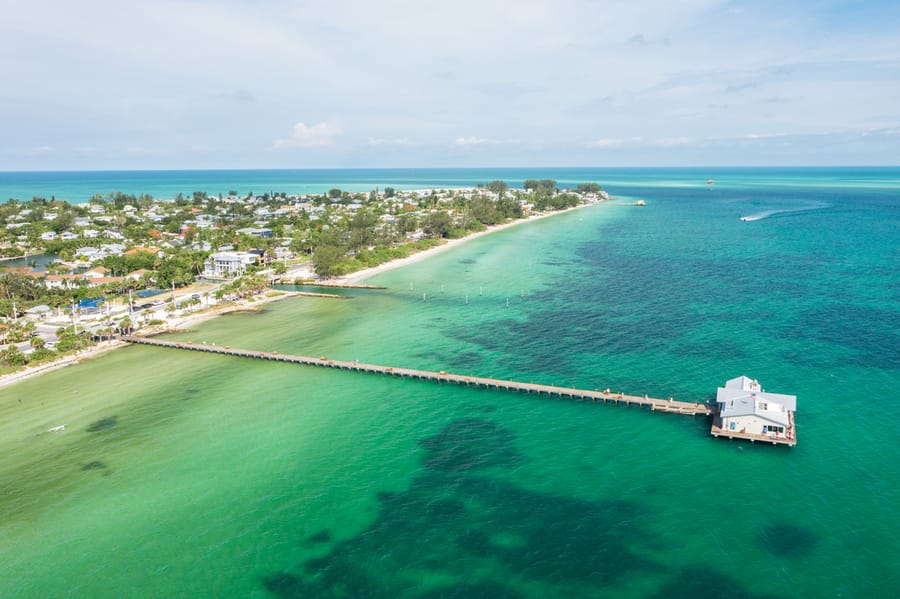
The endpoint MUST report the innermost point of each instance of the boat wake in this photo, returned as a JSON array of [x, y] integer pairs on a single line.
[[769, 213]]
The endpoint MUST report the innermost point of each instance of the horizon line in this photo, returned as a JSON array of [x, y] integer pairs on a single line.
[[486, 168]]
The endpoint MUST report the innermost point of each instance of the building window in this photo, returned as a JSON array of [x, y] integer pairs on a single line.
[[731, 426]]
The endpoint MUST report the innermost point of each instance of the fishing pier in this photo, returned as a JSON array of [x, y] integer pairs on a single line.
[[656, 405]]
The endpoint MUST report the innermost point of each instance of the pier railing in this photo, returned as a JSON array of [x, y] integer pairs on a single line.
[[657, 405]]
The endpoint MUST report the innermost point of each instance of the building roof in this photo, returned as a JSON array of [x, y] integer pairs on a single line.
[[139, 249], [743, 396], [104, 280]]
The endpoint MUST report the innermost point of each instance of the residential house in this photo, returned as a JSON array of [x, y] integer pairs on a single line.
[[113, 249], [89, 253], [62, 281], [137, 274], [96, 272], [97, 281], [228, 264], [144, 250], [254, 232], [283, 253]]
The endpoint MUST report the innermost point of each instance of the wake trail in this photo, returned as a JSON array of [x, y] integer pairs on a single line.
[[769, 213]]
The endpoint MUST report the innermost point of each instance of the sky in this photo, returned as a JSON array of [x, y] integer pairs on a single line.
[[162, 84]]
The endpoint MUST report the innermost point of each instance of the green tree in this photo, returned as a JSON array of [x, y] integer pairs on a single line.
[[13, 357], [407, 223], [438, 223], [545, 185], [328, 259], [498, 187], [64, 221]]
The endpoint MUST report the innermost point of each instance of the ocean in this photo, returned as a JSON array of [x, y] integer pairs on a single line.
[[183, 474], [79, 186]]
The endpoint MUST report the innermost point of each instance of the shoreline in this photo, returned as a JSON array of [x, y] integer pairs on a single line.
[[199, 317], [103, 347], [359, 276]]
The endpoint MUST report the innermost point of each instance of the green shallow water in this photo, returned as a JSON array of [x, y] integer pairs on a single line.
[[193, 475]]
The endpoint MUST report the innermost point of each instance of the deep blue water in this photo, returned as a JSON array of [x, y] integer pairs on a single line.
[[79, 186]]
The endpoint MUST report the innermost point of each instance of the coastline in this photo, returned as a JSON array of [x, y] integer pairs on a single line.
[[359, 276], [199, 317], [103, 347]]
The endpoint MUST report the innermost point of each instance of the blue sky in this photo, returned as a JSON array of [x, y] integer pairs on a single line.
[[354, 83]]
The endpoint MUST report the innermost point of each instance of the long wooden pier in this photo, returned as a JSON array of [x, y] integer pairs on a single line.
[[657, 405]]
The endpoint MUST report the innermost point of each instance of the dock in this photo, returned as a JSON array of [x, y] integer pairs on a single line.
[[670, 406], [321, 283]]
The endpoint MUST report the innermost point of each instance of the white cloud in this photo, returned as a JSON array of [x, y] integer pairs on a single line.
[[305, 136], [616, 142], [397, 141], [470, 141], [32, 152], [407, 78]]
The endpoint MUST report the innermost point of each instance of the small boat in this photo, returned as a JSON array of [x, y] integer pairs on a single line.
[[640, 203], [709, 181]]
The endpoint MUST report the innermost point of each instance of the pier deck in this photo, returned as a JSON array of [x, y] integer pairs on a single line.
[[790, 439], [656, 405]]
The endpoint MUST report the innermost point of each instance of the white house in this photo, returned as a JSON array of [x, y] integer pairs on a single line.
[[96, 272], [746, 411], [48, 235], [89, 253], [62, 281], [228, 264]]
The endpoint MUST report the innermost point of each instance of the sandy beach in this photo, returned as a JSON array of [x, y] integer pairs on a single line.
[[361, 275], [195, 318]]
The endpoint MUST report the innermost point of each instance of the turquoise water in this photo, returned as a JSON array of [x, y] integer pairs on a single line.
[[79, 186], [196, 475]]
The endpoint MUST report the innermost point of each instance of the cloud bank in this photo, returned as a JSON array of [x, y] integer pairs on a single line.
[[227, 84]]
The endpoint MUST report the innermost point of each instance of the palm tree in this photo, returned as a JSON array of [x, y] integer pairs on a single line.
[[125, 325]]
